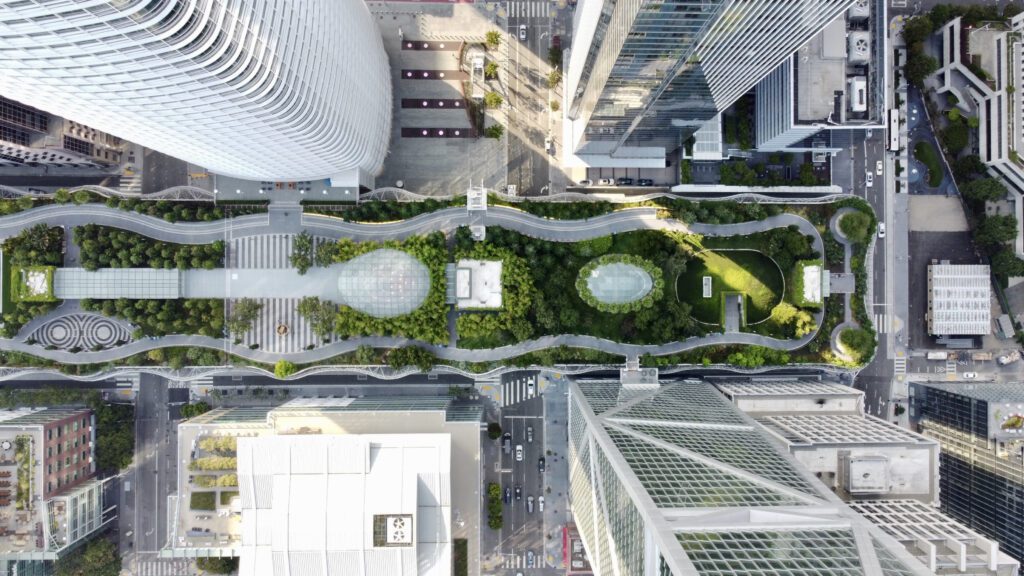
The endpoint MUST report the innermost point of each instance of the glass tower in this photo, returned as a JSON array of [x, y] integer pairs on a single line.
[[645, 72]]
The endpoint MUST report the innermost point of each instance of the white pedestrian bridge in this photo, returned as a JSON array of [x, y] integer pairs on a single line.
[[383, 283]]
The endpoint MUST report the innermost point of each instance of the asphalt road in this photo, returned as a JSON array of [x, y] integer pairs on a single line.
[[528, 112], [155, 472]]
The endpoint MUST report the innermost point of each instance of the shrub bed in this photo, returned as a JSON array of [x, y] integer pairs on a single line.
[[205, 501]]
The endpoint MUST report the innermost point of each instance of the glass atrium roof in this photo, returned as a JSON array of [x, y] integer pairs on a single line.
[[618, 283], [783, 553], [384, 283]]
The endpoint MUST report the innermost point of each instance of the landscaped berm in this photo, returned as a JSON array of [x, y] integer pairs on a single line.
[[748, 272]]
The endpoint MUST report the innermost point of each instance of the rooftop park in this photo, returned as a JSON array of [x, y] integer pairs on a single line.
[[28, 261]]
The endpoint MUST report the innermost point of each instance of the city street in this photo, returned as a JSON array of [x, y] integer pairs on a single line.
[[529, 114]]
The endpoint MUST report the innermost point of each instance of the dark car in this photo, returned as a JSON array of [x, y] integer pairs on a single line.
[[519, 492], [541, 464], [645, 182], [624, 181], [508, 495], [506, 443], [556, 41]]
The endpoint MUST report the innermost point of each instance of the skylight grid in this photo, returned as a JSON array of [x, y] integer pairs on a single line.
[[744, 449], [673, 481], [796, 553]]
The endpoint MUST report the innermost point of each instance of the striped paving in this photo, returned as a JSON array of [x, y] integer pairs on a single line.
[[280, 328]]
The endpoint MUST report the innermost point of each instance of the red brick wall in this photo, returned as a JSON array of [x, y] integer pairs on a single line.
[[61, 471]]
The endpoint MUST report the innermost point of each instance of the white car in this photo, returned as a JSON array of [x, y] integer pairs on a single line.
[[870, 180], [519, 452], [878, 168], [881, 229], [540, 503], [548, 144], [522, 32], [969, 375], [531, 388]]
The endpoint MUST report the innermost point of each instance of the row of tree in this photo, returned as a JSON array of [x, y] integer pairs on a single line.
[[203, 316], [106, 247]]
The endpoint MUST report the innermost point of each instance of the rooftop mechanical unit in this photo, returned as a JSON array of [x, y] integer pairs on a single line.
[[860, 11], [859, 49]]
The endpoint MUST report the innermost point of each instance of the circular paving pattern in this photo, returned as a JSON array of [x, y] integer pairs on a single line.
[[83, 331]]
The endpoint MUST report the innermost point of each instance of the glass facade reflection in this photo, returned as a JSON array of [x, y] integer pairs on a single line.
[[655, 70]]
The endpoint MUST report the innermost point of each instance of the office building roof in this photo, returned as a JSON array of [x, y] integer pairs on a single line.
[[349, 505], [959, 299]]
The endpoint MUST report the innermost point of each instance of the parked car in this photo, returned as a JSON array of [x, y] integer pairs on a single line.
[[506, 442], [969, 375], [522, 32], [625, 181], [878, 168], [540, 503], [508, 495], [881, 229], [519, 492], [556, 41], [519, 452], [645, 182], [541, 464], [869, 180], [529, 434], [606, 182], [585, 183], [549, 145], [529, 504]]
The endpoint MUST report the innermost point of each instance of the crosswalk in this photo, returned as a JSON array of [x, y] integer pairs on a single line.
[[951, 368], [900, 366], [513, 561], [280, 328], [164, 567], [528, 9], [516, 390], [884, 323]]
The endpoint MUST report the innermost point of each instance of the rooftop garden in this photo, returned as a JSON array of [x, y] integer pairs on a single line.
[[36, 249], [105, 247]]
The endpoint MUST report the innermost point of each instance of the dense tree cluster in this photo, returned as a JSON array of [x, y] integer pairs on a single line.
[[555, 310], [195, 409], [181, 211], [984, 190], [105, 247], [994, 231], [320, 314], [411, 356], [162, 317], [243, 313], [857, 226], [218, 565], [98, 557], [796, 322], [858, 343], [724, 212], [380, 211], [284, 369], [757, 356]]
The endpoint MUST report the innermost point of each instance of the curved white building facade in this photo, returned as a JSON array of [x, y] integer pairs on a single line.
[[256, 89]]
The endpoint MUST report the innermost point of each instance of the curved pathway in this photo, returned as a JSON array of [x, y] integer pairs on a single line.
[[848, 321], [443, 220]]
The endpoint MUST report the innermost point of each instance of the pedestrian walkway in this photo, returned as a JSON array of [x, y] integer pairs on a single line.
[[884, 323], [529, 9], [951, 367], [517, 390], [164, 567], [280, 328], [516, 561]]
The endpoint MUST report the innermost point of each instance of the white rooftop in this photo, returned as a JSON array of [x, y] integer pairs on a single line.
[[959, 299], [478, 284], [311, 503]]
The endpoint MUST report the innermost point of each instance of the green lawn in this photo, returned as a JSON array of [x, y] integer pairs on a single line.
[[927, 154], [751, 273]]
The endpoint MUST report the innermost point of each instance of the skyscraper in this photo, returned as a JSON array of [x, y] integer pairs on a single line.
[[256, 89], [980, 428], [673, 479], [640, 72]]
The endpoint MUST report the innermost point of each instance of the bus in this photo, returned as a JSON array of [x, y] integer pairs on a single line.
[[894, 130]]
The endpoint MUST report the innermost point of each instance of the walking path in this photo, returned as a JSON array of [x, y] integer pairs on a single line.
[[848, 320], [288, 219]]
